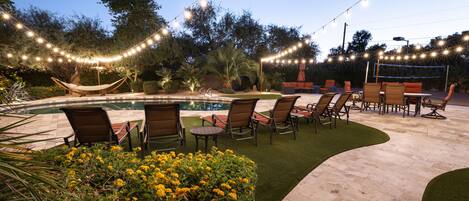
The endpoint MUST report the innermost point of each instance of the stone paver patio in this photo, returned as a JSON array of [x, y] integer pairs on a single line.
[[419, 150]]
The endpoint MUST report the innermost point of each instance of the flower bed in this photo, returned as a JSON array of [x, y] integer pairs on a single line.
[[101, 173]]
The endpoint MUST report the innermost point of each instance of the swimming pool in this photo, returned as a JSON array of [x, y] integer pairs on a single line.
[[127, 105]]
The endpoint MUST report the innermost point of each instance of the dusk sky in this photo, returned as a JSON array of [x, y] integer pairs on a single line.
[[417, 20]]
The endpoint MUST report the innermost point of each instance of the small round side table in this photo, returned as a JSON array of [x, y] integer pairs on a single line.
[[206, 132]]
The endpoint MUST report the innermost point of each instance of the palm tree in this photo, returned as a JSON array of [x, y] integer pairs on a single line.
[[191, 76], [229, 63]]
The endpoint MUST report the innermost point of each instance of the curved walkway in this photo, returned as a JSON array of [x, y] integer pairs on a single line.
[[419, 150]]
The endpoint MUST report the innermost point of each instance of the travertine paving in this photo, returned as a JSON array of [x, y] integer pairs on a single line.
[[419, 150]]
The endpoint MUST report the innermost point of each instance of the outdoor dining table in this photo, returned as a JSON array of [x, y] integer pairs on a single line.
[[418, 96]]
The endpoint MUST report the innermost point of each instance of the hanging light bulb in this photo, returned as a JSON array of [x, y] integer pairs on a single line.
[[157, 37], [303, 61], [433, 54], [381, 57], [445, 52], [164, 31], [203, 4], [418, 47], [381, 53], [311, 61], [55, 49], [143, 45], [398, 58], [423, 56], [150, 41], [19, 26], [341, 58], [38, 59], [414, 56], [441, 43], [366, 55], [30, 34], [347, 14], [49, 60], [334, 23], [48, 45], [466, 38], [365, 3], [40, 40], [9, 55], [6, 16], [399, 50], [459, 49], [352, 57], [406, 57], [24, 57], [187, 14], [329, 59], [296, 61]]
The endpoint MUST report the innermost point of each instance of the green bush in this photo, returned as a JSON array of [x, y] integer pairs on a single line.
[[102, 173], [150, 87], [227, 91], [45, 92], [137, 86], [173, 88]]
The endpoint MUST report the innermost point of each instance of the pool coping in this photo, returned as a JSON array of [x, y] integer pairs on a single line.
[[117, 97]]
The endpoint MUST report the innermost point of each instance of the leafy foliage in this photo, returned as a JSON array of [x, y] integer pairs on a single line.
[[229, 63]]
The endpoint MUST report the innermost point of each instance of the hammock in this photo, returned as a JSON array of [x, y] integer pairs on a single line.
[[84, 90]]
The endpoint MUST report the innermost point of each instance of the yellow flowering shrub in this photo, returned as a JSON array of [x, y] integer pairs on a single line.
[[106, 173]]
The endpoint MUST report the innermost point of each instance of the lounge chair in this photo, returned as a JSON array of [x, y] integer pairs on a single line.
[[371, 95], [162, 125], [85, 90], [438, 104], [280, 117], [339, 108], [318, 112], [239, 122], [394, 97], [329, 86], [92, 125]]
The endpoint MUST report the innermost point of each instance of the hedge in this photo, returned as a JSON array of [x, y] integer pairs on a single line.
[[45, 92], [150, 87]]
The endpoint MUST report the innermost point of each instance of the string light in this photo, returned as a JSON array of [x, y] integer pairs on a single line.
[[40, 40], [466, 38], [187, 14], [418, 47], [459, 49], [366, 55], [203, 3], [9, 55], [441, 43], [24, 57], [6, 16], [19, 26], [433, 54], [445, 52], [29, 34]]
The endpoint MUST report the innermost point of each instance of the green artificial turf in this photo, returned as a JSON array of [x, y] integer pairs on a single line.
[[450, 186], [282, 165], [259, 96]]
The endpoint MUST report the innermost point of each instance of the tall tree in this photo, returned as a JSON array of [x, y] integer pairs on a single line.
[[360, 42], [133, 20]]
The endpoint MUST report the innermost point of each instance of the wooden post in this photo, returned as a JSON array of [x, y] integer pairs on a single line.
[[447, 75], [377, 71], [261, 77], [366, 74]]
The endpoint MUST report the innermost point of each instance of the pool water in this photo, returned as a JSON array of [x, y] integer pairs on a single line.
[[130, 105]]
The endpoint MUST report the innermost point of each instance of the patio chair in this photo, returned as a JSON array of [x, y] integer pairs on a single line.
[[318, 112], [162, 125], [279, 118], [92, 125], [371, 95], [239, 123], [438, 104], [347, 87], [339, 108], [394, 97], [329, 86]]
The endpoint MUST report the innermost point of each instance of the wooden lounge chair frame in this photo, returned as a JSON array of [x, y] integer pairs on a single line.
[[340, 108], [279, 118], [92, 125], [239, 123], [318, 112], [162, 125]]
